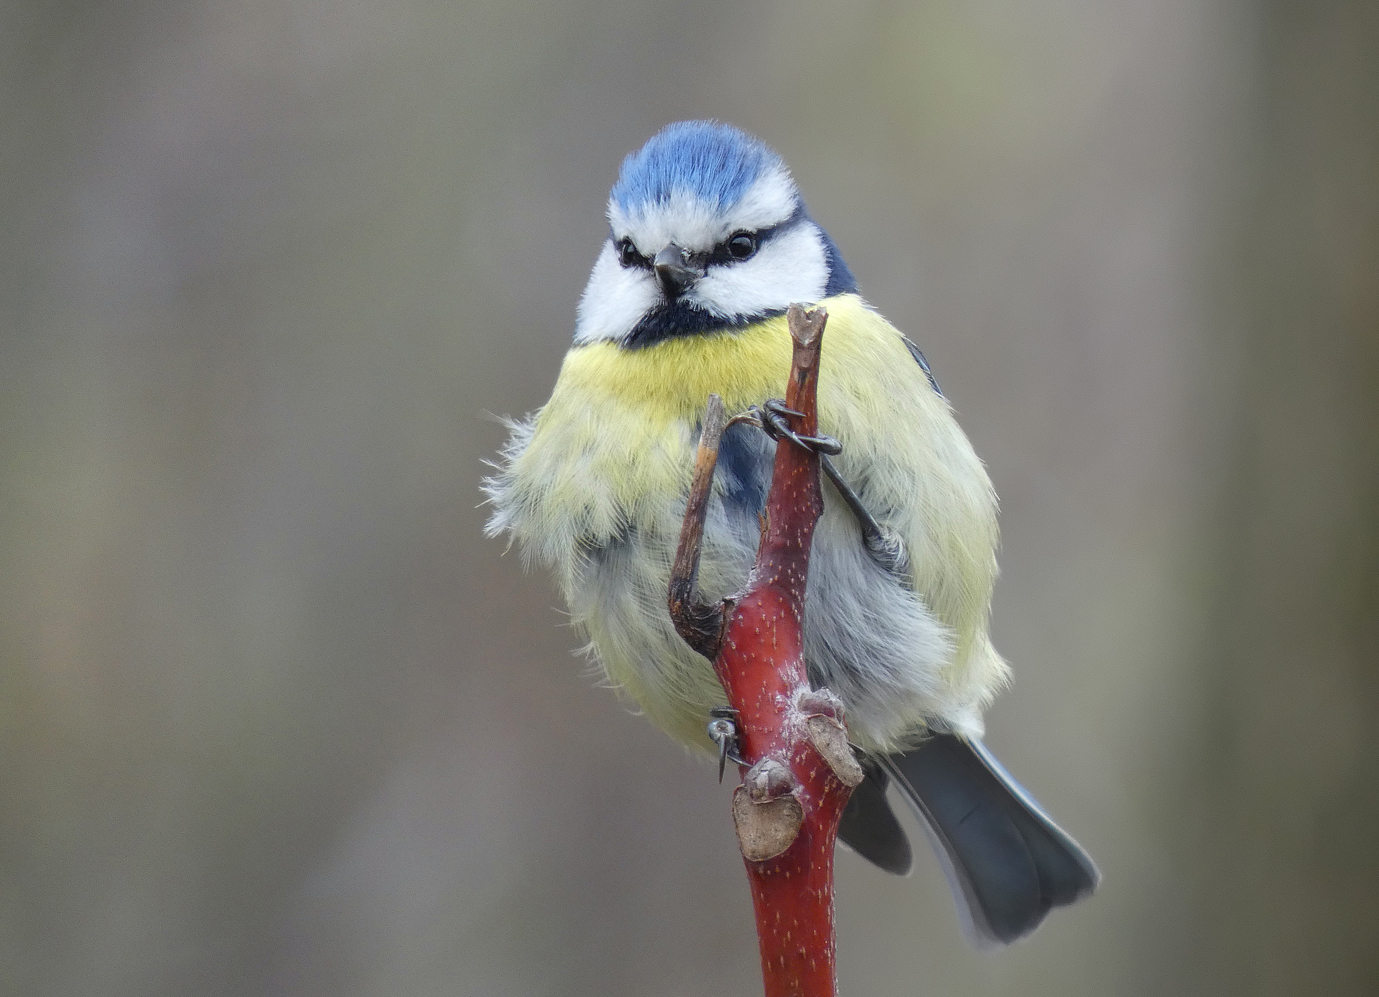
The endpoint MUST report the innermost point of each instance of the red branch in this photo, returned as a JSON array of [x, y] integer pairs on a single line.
[[799, 769]]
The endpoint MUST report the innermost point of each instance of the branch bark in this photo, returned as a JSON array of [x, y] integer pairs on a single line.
[[798, 769]]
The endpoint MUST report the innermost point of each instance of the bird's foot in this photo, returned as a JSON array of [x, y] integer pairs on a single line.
[[769, 417], [723, 732]]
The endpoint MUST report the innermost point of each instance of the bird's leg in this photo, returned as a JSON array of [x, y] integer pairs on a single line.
[[884, 545], [723, 731]]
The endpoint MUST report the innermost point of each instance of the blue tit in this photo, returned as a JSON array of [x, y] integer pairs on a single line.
[[709, 243]]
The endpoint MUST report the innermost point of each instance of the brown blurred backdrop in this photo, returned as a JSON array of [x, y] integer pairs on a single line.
[[274, 718]]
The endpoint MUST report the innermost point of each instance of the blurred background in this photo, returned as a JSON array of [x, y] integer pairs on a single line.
[[275, 719]]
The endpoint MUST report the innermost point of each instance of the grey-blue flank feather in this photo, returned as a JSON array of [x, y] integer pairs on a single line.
[[923, 365]]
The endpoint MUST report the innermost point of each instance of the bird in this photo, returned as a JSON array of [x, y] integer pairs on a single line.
[[709, 242]]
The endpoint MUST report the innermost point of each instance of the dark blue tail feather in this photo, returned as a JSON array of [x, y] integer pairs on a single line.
[[1008, 863]]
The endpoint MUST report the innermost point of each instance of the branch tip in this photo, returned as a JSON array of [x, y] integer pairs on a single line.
[[806, 324]]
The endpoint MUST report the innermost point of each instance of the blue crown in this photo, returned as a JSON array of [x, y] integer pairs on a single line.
[[714, 162]]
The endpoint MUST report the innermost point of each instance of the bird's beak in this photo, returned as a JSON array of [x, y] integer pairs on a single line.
[[674, 271]]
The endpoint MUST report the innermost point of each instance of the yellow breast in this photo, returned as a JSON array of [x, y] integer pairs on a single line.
[[671, 380]]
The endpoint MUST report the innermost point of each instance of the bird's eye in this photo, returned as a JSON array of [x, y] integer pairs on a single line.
[[627, 253], [741, 245]]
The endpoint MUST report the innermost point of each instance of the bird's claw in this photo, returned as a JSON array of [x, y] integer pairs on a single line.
[[778, 407], [887, 549], [723, 731], [770, 418]]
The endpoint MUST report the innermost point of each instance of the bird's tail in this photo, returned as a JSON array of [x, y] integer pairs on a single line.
[[1008, 863]]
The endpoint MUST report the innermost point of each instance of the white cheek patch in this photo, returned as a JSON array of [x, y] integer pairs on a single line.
[[697, 225], [792, 266], [615, 299]]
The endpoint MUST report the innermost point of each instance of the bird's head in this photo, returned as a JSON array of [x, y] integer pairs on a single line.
[[708, 232]]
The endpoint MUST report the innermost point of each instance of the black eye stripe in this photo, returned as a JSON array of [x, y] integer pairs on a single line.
[[723, 253], [719, 255], [628, 255]]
